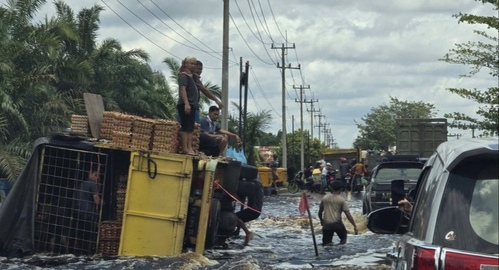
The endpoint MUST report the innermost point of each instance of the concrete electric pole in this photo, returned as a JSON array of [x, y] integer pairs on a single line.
[[302, 151], [284, 67]]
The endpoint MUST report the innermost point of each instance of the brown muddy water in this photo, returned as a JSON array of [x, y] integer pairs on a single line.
[[283, 240]]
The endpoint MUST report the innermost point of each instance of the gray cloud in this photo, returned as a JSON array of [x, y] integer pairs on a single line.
[[353, 54]]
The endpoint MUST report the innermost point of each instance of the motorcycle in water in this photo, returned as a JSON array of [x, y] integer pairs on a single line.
[[356, 186], [331, 177], [298, 183]]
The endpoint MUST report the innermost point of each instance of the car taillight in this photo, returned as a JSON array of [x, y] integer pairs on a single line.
[[424, 259], [469, 261]]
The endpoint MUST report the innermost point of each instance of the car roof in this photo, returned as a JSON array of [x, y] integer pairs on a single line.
[[452, 152]]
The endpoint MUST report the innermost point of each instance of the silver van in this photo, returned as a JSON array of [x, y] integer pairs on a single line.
[[454, 223]]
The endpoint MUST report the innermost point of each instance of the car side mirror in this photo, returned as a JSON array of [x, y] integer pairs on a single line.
[[388, 220]]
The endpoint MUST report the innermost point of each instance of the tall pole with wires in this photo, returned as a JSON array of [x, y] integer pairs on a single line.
[[225, 67], [302, 148], [283, 77]]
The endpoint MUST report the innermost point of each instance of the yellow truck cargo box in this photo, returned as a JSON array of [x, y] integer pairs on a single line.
[[265, 174], [156, 204], [283, 175]]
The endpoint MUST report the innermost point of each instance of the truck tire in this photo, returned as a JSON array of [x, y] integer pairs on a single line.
[[213, 222], [248, 172]]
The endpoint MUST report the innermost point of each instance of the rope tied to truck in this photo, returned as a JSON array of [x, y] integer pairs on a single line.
[[217, 184]]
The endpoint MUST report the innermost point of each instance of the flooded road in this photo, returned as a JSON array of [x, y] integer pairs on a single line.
[[283, 240]]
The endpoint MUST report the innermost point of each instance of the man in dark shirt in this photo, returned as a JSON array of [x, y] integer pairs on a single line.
[[253, 190], [87, 201], [212, 139]]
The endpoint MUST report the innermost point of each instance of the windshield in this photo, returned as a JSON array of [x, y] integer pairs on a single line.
[[388, 174]]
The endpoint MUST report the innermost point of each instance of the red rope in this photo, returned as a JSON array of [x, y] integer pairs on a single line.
[[235, 198]]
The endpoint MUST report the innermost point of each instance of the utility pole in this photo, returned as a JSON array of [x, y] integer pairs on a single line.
[[320, 123], [242, 80], [326, 125], [225, 67], [283, 77], [302, 150], [312, 111]]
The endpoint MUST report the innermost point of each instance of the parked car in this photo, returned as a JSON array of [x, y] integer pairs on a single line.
[[378, 191], [455, 217]]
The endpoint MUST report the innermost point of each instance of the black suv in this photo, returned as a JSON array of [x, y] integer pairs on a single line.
[[455, 217], [396, 167]]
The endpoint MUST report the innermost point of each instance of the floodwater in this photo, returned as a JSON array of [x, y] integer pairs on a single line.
[[283, 240]]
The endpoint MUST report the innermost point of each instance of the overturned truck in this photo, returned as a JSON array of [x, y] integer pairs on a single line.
[[151, 203]]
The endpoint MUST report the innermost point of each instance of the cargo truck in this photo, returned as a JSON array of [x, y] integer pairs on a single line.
[[153, 203], [420, 136]]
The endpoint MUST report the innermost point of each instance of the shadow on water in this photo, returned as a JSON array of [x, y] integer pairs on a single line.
[[283, 240]]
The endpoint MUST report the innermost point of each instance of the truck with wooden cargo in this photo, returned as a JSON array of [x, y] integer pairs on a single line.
[[153, 200]]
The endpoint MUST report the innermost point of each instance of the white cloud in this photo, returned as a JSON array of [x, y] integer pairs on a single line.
[[353, 54]]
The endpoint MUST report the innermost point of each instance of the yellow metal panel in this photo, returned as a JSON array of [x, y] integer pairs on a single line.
[[209, 177], [265, 174], [156, 208], [283, 175]]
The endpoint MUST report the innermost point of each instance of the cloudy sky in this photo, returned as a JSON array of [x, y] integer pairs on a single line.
[[353, 54]]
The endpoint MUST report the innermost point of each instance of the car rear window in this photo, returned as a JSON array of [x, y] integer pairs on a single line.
[[469, 213], [388, 174]]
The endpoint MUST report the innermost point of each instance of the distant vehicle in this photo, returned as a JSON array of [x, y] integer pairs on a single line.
[[396, 167], [454, 220], [420, 136]]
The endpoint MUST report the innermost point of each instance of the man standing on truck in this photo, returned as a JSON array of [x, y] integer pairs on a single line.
[[187, 104]]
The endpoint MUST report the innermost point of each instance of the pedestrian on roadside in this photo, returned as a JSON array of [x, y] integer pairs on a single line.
[[330, 209], [324, 177], [358, 172], [187, 104], [344, 169]]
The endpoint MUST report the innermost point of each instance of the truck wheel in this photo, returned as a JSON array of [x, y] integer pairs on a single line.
[[214, 220]]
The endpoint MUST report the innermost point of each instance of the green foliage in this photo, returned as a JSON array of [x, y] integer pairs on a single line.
[[478, 55], [378, 129], [47, 66], [312, 149]]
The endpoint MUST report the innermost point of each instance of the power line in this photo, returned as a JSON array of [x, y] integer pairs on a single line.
[[198, 48], [245, 42], [180, 58], [182, 27], [259, 39]]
